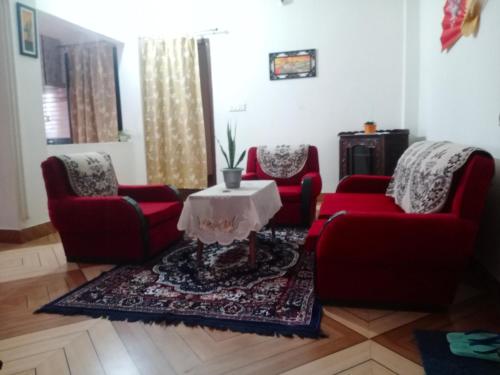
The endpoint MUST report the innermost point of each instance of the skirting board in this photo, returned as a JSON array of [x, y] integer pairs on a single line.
[[26, 234]]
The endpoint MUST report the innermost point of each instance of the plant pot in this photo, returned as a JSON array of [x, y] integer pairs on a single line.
[[232, 177], [370, 128]]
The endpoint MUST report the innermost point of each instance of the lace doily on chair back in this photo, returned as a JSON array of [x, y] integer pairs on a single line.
[[90, 173], [282, 161], [424, 175]]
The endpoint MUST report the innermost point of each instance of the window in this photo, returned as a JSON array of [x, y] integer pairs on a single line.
[[55, 115], [81, 96]]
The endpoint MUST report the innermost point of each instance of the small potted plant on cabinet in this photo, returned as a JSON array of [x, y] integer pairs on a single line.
[[370, 127], [232, 174]]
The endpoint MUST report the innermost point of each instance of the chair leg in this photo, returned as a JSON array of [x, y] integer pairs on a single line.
[[199, 253], [272, 224], [252, 249]]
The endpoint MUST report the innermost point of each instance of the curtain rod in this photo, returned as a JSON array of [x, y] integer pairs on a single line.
[[214, 31], [86, 43], [197, 34]]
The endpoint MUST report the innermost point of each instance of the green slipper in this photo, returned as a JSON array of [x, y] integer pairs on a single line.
[[479, 351], [476, 337]]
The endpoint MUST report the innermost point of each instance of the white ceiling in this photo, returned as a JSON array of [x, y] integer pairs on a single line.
[[67, 32]]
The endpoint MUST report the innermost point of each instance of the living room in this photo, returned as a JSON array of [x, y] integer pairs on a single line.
[[376, 61]]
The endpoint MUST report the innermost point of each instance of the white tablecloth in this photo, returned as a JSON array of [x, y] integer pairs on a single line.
[[223, 215]]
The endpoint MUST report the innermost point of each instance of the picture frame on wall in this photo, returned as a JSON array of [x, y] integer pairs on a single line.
[[292, 64], [27, 30]]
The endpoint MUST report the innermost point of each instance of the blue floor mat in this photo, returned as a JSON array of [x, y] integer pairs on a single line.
[[439, 360]]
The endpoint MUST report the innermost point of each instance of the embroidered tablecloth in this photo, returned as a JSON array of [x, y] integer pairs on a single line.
[[222, 215]]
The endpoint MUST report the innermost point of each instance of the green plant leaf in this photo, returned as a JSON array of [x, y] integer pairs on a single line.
[[241, 158], [224, 153], [231, 145]]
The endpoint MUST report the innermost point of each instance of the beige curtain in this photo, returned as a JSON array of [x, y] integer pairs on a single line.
[[173, 113], [91, 92]]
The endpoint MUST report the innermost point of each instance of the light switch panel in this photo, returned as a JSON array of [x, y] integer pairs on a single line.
[[238, 108]]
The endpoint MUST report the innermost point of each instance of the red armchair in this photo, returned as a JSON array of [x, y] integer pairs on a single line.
[[298, 193], [368, 250], [128, 228]]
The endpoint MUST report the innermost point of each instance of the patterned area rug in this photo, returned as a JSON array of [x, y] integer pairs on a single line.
[[277, 297]]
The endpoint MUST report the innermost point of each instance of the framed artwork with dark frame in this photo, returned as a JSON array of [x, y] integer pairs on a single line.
[[26, 27], [292, 64]]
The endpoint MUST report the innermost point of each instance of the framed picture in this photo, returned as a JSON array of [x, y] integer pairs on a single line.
[[292, 64], [26, 26]]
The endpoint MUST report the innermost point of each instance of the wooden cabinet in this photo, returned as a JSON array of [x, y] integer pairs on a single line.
[[376, 153]]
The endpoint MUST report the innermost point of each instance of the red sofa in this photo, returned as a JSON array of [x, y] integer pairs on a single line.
[[128, 228], [369, 251], [298, 193]]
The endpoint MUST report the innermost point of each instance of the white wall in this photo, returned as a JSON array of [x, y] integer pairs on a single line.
[[460, 90], [359, 71], [28, 80], [411, 68], [460, 100], [360, 68], [360, 74], [359, 47], [10, 164]]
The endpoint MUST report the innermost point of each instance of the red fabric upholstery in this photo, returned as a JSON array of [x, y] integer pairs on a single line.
[[149, 193], [298, 193], [313, 234], [356, 202], [290, 193], [136, 224], [363, 184], [289, 214], [372, 252], [157, 212]]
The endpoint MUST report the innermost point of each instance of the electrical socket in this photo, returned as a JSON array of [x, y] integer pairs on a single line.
[[238, 108]]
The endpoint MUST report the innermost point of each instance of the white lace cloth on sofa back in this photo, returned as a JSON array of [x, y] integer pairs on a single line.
[[90, 173], [282, 161], [424, 173]]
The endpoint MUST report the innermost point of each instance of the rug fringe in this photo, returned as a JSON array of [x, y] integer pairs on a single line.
[[266, 329]]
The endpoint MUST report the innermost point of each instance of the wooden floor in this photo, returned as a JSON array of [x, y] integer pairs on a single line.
[[360, 341]]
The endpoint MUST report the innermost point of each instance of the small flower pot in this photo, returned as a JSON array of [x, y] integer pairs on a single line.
[[232, 177], [370, 127]]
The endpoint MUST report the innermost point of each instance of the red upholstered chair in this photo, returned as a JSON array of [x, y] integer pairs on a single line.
[[134, 225], [369, 251], [298, 193]]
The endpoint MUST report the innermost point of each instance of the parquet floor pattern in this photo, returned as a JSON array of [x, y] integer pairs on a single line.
[[360, 341]]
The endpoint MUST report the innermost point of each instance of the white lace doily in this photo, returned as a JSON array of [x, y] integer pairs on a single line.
[[282, 161], [223, 215]]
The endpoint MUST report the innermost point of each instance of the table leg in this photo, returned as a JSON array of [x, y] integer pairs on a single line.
[[273, 228], [199, 253], [251, 249]]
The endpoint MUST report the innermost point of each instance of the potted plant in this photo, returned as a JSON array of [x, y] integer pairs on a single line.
[[123, 136], [232, 174], [370, 127]]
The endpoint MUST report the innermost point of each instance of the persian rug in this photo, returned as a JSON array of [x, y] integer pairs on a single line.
[[276, 297], [439, 360]]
